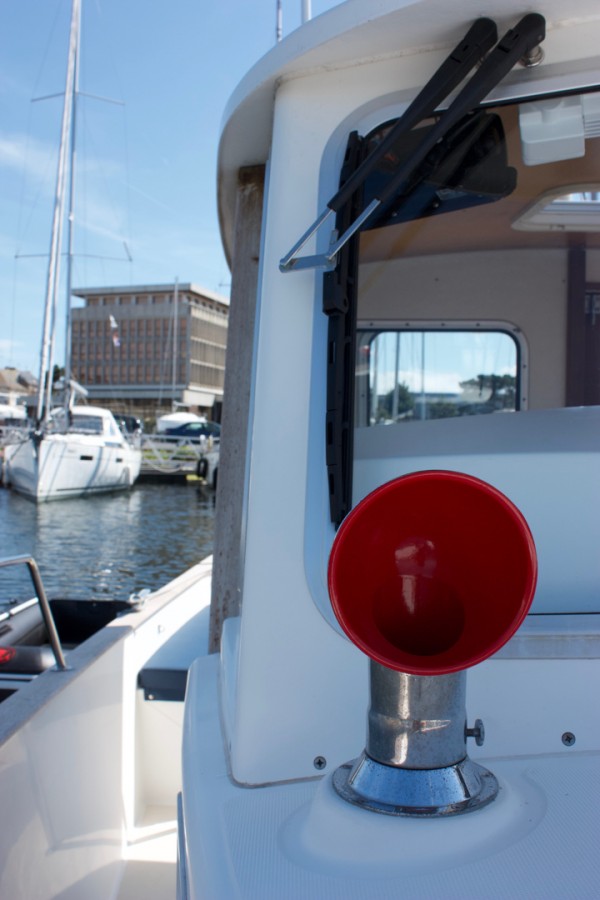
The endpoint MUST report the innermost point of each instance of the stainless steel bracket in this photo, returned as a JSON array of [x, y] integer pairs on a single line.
[[291, 261]]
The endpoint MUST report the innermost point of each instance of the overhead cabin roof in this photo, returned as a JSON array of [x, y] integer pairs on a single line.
[[356, 32]]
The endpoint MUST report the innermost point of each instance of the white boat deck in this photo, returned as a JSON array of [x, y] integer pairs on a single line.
[[151, 867], [300, 840]]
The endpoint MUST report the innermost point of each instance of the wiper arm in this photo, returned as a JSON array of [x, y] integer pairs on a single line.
[[517, 43], [480, 38]]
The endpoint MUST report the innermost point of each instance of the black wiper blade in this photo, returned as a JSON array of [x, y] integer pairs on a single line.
[[479, 39], [517, 43]]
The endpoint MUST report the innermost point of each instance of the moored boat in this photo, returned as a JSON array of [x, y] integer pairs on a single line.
[[71, 451], [408, 489], [453, 220], [86, 455]]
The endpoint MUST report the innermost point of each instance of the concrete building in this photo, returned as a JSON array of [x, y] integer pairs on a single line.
[[143, 348], [18, 394]]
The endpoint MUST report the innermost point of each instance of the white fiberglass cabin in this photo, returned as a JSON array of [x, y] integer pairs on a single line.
[[457, 329], [88, 455]]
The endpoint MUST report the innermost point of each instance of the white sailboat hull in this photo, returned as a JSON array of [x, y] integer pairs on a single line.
[[71, 465]]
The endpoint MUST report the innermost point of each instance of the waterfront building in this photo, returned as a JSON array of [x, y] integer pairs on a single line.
[[18, 391], [146, 348]]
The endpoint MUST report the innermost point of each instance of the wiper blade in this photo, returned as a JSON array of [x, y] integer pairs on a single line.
[[517, 43], [481, 37]]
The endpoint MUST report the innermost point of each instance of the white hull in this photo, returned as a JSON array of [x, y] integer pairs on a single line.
[[71, 465], [91, 457]]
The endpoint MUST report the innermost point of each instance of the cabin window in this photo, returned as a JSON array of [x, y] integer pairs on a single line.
[[413, 374], [87, 424], [498, 223]]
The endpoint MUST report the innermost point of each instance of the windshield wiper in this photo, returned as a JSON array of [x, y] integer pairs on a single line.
[[516, 44]]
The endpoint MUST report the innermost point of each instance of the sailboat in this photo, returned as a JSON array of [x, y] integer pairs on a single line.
[[392, 694], [74, 450]]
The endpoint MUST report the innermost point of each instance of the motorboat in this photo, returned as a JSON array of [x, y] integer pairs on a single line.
[[391, 690]]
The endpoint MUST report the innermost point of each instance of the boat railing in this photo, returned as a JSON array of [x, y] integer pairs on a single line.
[[13, 434], [173, 453], [42, 599]]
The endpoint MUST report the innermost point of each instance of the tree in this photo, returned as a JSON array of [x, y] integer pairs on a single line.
[[405, 403], [495, 391]]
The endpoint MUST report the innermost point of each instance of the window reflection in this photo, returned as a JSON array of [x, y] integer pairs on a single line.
[[413, 375]]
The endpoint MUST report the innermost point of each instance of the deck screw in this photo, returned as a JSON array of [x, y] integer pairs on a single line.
[[568, 738], [319, 762]]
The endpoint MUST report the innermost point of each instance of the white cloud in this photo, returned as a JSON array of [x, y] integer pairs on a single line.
[[435, 382], [32, 158], [7, 345]]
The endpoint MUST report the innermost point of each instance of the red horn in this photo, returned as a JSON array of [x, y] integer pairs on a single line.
[[432, 572]]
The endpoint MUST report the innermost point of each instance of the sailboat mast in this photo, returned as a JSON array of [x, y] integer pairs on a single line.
[[52, 279], [175, 335], [71, 218]]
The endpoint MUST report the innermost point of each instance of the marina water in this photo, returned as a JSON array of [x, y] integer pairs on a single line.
[[107, 546]]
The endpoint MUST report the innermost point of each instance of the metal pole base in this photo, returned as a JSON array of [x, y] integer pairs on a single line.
[[395, 791]]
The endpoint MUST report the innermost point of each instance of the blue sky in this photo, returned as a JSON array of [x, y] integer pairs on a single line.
[[146, 168]]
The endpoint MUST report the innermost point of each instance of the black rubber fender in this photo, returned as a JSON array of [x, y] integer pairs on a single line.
[[26, 660]]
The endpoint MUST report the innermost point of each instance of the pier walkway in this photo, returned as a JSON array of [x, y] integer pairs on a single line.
[[169, 458]]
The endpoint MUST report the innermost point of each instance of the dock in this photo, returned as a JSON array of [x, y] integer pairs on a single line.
[[168, 460]]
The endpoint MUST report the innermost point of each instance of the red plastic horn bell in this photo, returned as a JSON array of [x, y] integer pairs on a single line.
[[432, 572]]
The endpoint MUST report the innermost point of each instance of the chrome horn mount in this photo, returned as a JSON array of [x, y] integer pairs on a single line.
[[415, 762]]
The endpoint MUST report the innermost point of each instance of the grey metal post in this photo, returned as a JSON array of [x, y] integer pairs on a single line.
[[416, 721], [226, 582], [415, 762]]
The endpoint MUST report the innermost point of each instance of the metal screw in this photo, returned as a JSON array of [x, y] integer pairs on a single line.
[[477, 732], [319, 762], [568, 738]]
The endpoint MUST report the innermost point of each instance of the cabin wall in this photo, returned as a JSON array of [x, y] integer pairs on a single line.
[[226, 583], [285, 641], [292, 674], [288, 634]]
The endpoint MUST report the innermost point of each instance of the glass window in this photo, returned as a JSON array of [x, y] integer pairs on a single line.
[[86, 424], [412, 375]]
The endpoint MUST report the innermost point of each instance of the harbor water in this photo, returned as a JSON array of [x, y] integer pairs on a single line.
[[107, 546]]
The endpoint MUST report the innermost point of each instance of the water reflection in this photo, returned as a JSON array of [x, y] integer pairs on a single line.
[[107, 546]]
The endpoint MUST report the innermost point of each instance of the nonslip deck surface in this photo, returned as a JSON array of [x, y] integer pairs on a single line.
[[537, 840]]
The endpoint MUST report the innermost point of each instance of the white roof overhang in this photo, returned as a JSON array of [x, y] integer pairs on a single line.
[[355, 32]]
